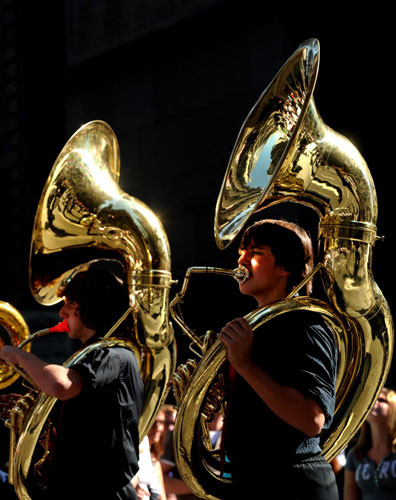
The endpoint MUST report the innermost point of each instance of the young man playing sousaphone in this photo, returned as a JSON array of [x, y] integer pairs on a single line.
[[282, 377], [96, 446]]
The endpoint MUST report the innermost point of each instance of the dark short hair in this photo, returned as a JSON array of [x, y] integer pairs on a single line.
[[290, 244], [100, 295]]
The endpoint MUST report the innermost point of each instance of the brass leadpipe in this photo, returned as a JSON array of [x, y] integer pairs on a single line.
[[240, 274]]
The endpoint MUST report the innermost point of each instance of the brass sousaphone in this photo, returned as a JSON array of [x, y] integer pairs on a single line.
[[83, 216], [13, 331], [284, 152]]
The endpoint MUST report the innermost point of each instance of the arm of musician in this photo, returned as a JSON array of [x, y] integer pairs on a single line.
[[286, 402], [351, 489], [55, 380]]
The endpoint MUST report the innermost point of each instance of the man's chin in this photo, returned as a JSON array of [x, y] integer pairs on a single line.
[[245, 289]]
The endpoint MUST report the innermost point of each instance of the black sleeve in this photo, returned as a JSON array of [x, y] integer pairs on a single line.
[[315, 374]]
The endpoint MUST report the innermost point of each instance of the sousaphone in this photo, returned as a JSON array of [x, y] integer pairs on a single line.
[[284, 152], [83, 216]]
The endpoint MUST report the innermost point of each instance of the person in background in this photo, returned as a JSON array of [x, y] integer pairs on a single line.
[[170, 417], [156, 440], [175, 487], [146, 480], [370, 470]]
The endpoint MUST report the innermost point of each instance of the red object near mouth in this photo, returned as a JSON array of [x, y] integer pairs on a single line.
[[60, 327]]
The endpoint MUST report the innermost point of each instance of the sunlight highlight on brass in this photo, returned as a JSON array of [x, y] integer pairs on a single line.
[[83, 217], [284, 152]]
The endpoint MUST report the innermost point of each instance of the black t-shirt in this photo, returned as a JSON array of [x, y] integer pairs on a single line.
[[298, 350], [97, 443]]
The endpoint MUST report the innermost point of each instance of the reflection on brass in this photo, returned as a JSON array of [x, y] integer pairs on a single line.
[[14, 325], [83, 216], [285, 152]]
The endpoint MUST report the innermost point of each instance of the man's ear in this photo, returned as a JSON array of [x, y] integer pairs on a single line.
[[283, 271]]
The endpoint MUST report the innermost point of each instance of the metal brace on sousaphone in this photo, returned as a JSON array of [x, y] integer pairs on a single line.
[[83, 216], [284, 152]]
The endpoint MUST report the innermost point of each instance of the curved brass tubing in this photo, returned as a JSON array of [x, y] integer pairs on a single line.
[[284, 152]]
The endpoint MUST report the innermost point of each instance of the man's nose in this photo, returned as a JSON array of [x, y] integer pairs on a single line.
[[243, 257], [63, 312]]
